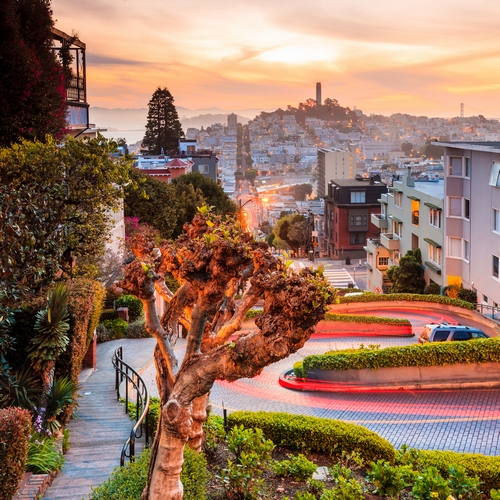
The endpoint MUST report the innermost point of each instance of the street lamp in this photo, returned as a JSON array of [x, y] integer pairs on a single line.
[[240, 213]]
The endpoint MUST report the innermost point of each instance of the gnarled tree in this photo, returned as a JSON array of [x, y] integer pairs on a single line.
[[212, 260]]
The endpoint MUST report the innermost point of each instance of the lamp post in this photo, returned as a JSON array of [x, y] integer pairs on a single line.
[[240, 213]]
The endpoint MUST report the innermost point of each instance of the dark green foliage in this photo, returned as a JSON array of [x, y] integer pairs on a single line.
[[389, 479], [163, 128], [21, 389], [429, 354], [300, 191], [128, 482], [306, 434], [410, 297], [250, 174], [107, 314], [51, 328], [154, 202], [408, 276], [432, 289], [486, 468], [32, 78], [297, 466], [463, 486], [97, 310], [430, 484], [15, 428], [467, 295], [133, 304], [62, 396], [136, 330], [104, 334], [294, 230]]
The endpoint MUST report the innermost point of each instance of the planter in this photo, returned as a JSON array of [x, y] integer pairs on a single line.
[[33, 486], [343, 328], [459, 376]]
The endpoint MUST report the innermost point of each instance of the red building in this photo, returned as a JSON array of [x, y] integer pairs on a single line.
[[348, 209]]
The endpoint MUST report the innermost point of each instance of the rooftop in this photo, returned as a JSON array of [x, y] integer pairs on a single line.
[[489, 147]]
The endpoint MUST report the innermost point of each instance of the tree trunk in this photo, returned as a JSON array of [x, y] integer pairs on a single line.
[[165, 483], [47, 377], [199, 416]]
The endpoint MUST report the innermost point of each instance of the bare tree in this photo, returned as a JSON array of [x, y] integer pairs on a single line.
[[211, 261]]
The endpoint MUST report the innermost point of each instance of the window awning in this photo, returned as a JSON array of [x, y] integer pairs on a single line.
[[413, 198], [367, 250], [433, 266], [431, 205], [432, 242], [395, 219], [397, 190]]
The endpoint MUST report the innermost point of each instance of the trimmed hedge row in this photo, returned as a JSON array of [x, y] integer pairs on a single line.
[[303, 433], [430, 354], [15, 429], [485, 467], [366, 319], [410, 297]]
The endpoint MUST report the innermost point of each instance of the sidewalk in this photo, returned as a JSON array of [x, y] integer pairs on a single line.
[[101, 427]]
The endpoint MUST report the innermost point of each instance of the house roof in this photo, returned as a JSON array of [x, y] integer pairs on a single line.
[[178, 163]]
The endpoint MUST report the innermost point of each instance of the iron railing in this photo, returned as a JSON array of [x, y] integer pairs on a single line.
[[134, 387], [485, 309]]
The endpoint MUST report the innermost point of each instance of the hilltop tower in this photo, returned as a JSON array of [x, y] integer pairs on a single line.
[[319, 102]]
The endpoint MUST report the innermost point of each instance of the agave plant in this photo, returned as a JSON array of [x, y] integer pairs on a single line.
[[21, 388], [50, 340], [63, 393]]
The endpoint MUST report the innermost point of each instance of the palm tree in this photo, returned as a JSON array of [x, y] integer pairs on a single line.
[[50, 340]]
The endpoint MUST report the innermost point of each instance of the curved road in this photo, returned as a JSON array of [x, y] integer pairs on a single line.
[[459, 420]]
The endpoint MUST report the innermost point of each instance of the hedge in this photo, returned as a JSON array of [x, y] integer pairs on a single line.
[[409, 297], [487, 468], [15, 429], [128, 482], [429, 354], [367, 319], [313, 434], [133, 304]]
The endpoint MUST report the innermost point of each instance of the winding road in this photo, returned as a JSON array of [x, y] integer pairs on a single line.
[[458, 420]]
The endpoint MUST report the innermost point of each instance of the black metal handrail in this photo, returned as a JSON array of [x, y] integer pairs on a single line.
[[135, 383]]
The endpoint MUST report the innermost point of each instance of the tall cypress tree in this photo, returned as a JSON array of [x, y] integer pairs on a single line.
[[32, 79], [163, 128]]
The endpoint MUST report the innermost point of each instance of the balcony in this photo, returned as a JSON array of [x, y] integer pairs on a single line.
[[379, 220], [390, 241]]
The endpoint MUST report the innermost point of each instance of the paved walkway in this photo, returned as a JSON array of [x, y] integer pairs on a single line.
[[101, 428]]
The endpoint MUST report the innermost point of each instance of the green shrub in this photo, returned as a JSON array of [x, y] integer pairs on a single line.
[[367, 319], [430, 484], [241, 440], [322, 435], [463, 486], [429, 354], [15, 428], [432, 289], [410, 297], [118, 326], [104, 334], [467, 295], [136, 330], [43, 455], [107, 314], [486, 468], [65, 442], [299, 467], [133, 304], [345, 489], [153, 413], [253, 313], [194, 475], [298, 369], [127, 483], [388, 479]]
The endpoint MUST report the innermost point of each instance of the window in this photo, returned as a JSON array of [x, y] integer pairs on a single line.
[[383, 261], [455, 166], [358, 196], [398, 199], [357, 238], [455, 247], [466, 208], [458, 336], [496, 220], [440, 335], [204, 169], [435, 254], [495, 269], [467, 167], [455, 206], [435, 218], [485, 299], [358, 220], [397, 228], [466, 250]]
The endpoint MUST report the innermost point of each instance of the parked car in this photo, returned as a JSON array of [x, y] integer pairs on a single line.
[[445, 332]]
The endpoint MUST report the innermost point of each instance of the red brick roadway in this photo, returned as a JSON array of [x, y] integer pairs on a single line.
[[458, 420]]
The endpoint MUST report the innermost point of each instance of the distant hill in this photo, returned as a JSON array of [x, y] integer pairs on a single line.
[[135, 119]]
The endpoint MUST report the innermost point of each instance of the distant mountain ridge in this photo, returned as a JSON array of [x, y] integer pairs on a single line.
[[135, 119]]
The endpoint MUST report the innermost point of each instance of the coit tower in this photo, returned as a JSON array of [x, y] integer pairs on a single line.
[[319, 102]]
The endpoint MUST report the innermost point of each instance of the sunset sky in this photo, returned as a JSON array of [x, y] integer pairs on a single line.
[[383, 56]]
